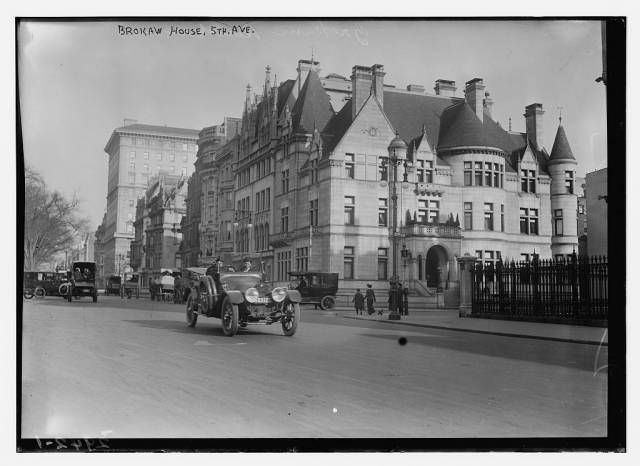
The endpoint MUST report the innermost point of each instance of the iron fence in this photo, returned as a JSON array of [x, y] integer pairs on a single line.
[[571, 289]]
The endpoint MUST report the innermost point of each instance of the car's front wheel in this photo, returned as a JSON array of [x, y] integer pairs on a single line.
[[192, 317], [28, 294], [229, 316], [327, 302], [290, 318], [40, 292]]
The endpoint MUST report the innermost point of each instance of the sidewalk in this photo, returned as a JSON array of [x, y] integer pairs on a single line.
[[449, 319]]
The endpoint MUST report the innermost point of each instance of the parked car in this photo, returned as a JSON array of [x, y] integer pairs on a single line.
[[42, 284], [242, 298], [318, 288], [114, 283], [83, 281]]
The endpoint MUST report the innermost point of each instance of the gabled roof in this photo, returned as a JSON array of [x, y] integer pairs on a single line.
[[313, 109], [336, 127], [561, 148]]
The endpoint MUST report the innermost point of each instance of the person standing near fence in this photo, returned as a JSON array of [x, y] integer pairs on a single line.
[[358, 302], [371, 298]]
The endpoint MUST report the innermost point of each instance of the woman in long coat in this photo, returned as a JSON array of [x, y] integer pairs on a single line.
[[370, 297]]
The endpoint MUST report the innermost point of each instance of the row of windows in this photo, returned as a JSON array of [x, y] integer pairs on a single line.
[[137, 141], [283, 265], [144, 177], [263, 200], [488, 216], [349, 263], [171, 157], [484, 174], [424, 169], [259, 170]]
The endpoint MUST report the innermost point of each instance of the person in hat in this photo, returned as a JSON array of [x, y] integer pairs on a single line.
[[358, 302], [246, 265], [370, 297]]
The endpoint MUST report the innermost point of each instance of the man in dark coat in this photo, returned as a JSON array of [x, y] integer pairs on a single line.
[[371, 298], [405, 300], [358, 302]]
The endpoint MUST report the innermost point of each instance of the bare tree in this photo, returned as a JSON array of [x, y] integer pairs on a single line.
[[51, 222]]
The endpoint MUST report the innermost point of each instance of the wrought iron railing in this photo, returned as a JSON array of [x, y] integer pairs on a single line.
[[439, 230], [557, 289]]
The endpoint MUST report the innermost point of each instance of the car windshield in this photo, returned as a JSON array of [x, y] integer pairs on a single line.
[[239, 282]]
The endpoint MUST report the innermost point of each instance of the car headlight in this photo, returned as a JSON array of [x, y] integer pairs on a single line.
[[251, 295], [278, 294]]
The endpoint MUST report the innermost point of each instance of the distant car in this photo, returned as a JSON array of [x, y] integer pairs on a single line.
[[114, 282], [242, 298], [318, 288], [130, 287], [83, 281]]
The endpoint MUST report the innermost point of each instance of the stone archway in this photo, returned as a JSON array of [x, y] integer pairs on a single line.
[[436, 266]]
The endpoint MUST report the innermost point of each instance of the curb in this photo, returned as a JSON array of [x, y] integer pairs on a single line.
[[486, 332]]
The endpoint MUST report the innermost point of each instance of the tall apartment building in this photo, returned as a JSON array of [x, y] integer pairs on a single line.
[[136, 153], [312, 186]]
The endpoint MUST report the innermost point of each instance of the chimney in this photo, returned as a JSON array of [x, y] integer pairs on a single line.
[[415, 88], [473, 94], [304, 66], [445, 88], [488, 104], [378, 73], [129, 122], [533, 116], [361, 80]]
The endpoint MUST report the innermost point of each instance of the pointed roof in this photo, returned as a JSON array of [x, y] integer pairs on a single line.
[[313, 108], [561, 149], [460, 127], [285, 96], [336, 127]]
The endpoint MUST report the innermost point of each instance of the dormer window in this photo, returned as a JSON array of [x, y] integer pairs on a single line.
[[424, 171], [528, 181]]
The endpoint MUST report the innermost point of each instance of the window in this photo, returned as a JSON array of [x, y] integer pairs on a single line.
[[285, 181], [488, 257], [145, 178], [383, 260], [132, 155], [488, 176], [501, 217], [314, 171], [434, 211], [302, 259], [348, 262], [382, 212], [478, 173], [383, 168], [349, 210], [349, 166], [313, 212], [268, 198], [468, 216], [146, 155], [525, 257], [529, 221], [468, 174], [145, 167], [132, 164], [488, 216], [580, 209], [568, 182], [184, 171], [528, 181], [185, 158], [159, 156], [172, 157], [420, 171], [132, 177], [557, 223], [423, 208], [283, 260], [257, 202], [428, 172], [284, 219]]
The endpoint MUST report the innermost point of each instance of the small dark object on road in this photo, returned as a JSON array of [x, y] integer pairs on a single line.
[[402, 341]]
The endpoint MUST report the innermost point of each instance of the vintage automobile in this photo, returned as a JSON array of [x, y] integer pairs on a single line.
[[318, 288], [182, 285], [83, 281], [42, 284], [242, 298], [30, 283], [114, 283], [130, 287]]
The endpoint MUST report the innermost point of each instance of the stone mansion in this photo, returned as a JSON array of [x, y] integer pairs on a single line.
[[312, 181]]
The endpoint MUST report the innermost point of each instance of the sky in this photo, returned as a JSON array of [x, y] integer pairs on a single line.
[[78, 81]]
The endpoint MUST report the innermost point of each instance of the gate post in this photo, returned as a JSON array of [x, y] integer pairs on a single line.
[[466, 264]]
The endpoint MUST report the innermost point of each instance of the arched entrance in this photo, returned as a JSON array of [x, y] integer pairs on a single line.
[[436, 266]]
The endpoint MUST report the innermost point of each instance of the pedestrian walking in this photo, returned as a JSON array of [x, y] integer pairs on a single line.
[[358, 302], [370, 297]]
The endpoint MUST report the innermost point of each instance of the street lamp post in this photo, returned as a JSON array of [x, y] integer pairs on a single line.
[[397, 156]]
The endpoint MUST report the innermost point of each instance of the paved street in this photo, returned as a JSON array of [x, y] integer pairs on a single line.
[[131, 368]]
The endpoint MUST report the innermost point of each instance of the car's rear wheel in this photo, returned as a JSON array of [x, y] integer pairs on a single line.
[[229, 316], [40, 292], [28, 294], [327, 302], [290, 318], [62, 290], [192, 317]]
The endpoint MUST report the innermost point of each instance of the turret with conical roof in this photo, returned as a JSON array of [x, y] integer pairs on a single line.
[[564, 200]]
